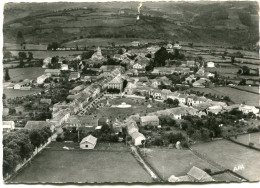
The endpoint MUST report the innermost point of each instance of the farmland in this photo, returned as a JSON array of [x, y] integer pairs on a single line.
[[249, 138], [169, 162], [11, 93], [44, 53], [231, 156], [30, 73], [82, 166], [237, 96]]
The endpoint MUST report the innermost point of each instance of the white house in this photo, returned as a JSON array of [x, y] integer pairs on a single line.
[[42, 78], [247, 109], [131, 127], [88, 142], [64, 67], [149, 120], [135, 43], [24, 85], [138, 66], [46, 62], [210, 64], [137, 138], [8, 126]]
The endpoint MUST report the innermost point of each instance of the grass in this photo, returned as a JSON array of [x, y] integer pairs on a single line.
[[31, 73], [139, 107], [169, 162], [11, 93], [230, 155], [247, 88], [44, 53], [254, 138], [237, 96], [82, 166]]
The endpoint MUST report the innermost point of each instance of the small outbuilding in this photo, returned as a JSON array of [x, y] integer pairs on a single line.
[[137, 138], [88, 142]]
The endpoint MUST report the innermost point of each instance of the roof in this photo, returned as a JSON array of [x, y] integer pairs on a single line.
[[136, 135], [199, 175], [91, 139], [149, 118], [36, 124], [52, 71], [7, 122], [116, 80]]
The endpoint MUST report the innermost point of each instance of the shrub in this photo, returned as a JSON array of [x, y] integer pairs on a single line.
[[207, 170], [251, 144]]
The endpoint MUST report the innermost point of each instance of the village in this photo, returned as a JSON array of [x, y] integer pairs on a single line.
[[125, 100], [130, 93]]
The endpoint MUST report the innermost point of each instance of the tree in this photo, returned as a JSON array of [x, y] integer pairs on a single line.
[[246, 70], [160, 57], [7, 77], [176, 102], [30, 56], [36, 138], [20, 38], [242, 82], [22, 56]]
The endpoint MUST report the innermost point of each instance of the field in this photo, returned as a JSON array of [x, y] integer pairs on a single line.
[[10, 46], [232, 156], [82, 166], [44, 53], [169, 162], [247, 88], [11, 93], [139, 106], [247, 138], [237, 96], [31, 73]]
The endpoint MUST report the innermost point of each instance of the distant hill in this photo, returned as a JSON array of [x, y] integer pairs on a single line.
[[232, 23]]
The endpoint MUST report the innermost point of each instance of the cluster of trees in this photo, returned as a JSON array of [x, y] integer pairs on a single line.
[[211, 96], [23, 56], [53, 46], [245, 70], [171, 102], [7, 76], [54, 63], [19, 145], [88, 54]]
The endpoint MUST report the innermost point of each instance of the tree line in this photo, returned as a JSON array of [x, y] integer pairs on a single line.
[[19, 145]]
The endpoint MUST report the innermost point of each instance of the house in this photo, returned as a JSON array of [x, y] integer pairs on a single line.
[[131, 126], [52, 72], [135, 43], [247, 109], [74, 76], [19, 109], [116, 83], [195, 174], [165, 81], [210, 64], [163, 71], [165, 93], [182, 98], [46, 62], [72, 121], [156, 93], [64, 67], [60, 117], [155, 83], [138, 66], [137, 138], [77, 89], [177, 46], [45, 101], [153, 49], [42, 78], [214, 109], [5, 111], [97, 55], [169, 47], [190, 79], [88, 142], [149, 120], [191, 64], [24, 85], [202, 82], [110, 68], [8, 126]]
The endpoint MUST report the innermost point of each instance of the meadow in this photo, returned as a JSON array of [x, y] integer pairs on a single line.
[[42, 54], [30, 73], [249, 138], [237, 96], [11, 93], [82, 166], [169, 162], [239, 159]]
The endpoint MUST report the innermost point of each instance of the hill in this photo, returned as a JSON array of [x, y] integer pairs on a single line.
[[229, 23]]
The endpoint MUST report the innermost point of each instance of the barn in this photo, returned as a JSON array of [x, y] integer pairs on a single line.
[[88, 142]]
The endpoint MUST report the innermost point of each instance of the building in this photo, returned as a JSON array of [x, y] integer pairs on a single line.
[[156, 93], [138, 138], [5, 111], [97, 55], [64, 67], [247, 109], [131, 126], [165, 93], [8, 126], [149, 120], [24, 85], [201, 83], [210, 64], [52, 72], [45, 101], [88, 142], [191, 64], [42, 78], [135, 43], [116, 83], [46, 62], [74, 76], [39, 125]]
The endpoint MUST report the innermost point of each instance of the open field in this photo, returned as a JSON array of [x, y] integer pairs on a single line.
[[247, 88], [82, 166], [231, 156], [30, 73], [237, 96], [44, 53], [249, 138], [139, 106], [10, 46], [169, 162], [11, 93]]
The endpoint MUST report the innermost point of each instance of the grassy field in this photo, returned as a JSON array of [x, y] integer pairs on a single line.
[[139, 106], [10, 46], [11, 93], [247, 88], [235, 95], [247, 138], [82, 166], [44, 53], [31, 73], [231, 155], [169, 162]]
